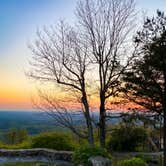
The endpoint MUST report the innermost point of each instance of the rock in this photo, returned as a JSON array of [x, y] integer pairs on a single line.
[[99, 161], [58, 155]]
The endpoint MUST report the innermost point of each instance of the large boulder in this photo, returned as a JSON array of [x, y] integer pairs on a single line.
[[99, 161]]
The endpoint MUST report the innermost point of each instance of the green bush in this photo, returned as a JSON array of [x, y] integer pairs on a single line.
[[82, 154], [133, 162], [127, 138], [57, 141]]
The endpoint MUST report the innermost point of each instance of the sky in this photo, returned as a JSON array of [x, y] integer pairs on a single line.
[[19, 20]]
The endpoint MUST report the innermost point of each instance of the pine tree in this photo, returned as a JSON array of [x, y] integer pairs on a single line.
[[146, 82]]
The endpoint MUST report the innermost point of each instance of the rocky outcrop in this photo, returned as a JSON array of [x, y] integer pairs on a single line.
[[99, 161], [56, 155]]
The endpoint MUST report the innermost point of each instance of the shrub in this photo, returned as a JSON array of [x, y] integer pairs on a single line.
[[127, 138], [82, 154], [57, 141], [133, 162]]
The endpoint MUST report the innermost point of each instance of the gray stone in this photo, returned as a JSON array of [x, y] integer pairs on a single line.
[[57, 155], [41, 164], [99, 161]]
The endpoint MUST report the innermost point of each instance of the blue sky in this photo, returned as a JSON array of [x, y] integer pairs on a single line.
[[19, 20]]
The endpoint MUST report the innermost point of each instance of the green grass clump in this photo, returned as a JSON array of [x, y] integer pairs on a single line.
[[133, 162], [23, 145]]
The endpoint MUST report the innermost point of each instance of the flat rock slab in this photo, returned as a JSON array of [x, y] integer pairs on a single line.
[[99, 161], [57, 155]]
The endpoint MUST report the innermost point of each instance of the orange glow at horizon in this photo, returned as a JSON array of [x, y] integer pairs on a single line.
[[18, 94], [14, 98], [14, 93]]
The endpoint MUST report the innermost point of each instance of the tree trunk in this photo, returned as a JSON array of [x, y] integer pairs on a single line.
[[102, 123], [90, 131], [88, 119]]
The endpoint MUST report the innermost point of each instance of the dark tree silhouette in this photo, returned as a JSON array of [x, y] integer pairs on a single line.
[[107, 26], [101, 40], [60, 57], [146, 83]]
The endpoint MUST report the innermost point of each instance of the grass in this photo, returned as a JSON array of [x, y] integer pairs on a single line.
[[116, 160], [23, 145]]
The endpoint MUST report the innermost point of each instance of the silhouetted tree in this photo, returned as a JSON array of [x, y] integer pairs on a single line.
[[61, 57], [146, 83], [100, 39], [106, 26]]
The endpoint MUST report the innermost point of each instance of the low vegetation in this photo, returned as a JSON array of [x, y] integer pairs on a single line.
[[57, 141], [133, 162], [50, 140], [123, 137], [82, 154], [127, 138], [23, 145]]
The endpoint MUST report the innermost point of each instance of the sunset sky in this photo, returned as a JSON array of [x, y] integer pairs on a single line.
[[19, 20]]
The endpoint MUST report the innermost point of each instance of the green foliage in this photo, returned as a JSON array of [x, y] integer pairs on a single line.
[[22, 135], [133, 162], [146, 158], [82, 154], [127, 138], [51, 140], [144, 83], [11, 136], [23, 145], [15, 136], [57, 141]]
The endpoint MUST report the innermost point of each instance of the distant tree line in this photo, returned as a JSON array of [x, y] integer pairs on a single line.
[[14, 136]]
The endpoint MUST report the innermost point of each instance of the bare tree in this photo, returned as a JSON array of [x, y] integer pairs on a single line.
[[100, 40], [63, 116], [60, 57], [106, 26]]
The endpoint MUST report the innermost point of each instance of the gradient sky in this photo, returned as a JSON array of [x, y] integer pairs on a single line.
[[19, 20]]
